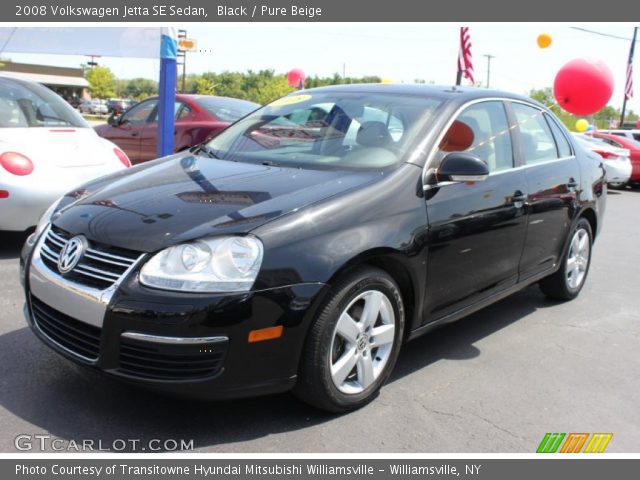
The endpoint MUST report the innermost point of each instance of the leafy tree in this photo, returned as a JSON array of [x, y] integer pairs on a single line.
[[138, 88], [204, 86], [102, 82], [601, 119]]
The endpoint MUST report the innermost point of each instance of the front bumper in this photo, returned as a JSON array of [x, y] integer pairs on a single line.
[[190, 345]]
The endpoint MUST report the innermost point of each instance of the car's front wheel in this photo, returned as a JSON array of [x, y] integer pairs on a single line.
[[567, 282], [353, 345]]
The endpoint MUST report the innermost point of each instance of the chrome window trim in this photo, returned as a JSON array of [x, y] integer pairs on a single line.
[[458, 111], [145, 337]]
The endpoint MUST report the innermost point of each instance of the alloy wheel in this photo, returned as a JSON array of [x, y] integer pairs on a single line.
[[578, 258], [362, 342]]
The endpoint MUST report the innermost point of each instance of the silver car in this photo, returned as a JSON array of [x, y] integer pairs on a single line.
[[46, 149], [95, 107]]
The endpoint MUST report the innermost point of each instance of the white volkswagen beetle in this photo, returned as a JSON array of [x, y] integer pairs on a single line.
[[46, 149]]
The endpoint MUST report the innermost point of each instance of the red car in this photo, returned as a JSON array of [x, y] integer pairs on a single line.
[[197, 118], [631, 145]]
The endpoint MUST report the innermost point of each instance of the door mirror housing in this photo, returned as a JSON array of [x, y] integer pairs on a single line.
[[113, 120], [462, 167]]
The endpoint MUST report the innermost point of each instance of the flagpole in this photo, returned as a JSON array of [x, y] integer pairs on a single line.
[[624, 103]]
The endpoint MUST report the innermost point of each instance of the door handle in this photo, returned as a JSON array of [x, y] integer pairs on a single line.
[[518, 196], [134, 134]]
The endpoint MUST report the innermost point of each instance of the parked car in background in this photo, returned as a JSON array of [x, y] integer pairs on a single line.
[[303, 256], [616, 160], [632, 133], [197, 118], [628, 144], [46, 149], [74, 101], [118, 106], [93, 107]]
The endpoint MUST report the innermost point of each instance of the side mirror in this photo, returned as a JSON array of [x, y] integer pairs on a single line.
[[113, 120], [462, 167]]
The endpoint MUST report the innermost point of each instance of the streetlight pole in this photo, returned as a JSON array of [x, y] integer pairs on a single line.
[[489, 57]]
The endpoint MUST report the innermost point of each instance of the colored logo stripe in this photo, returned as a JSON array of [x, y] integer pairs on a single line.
[[574, 443], [550, 443], [598, 442]]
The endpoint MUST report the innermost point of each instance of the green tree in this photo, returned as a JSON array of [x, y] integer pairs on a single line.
[[204, 86], [138, 88], [102, 82]]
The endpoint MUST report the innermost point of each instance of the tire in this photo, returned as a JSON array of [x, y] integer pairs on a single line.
[[344, 335], [566, 283], [617, 185]]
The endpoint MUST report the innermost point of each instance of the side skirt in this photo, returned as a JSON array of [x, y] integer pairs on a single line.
[[463, 312]]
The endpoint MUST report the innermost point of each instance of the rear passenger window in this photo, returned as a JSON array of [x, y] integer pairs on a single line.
[[564, 149], [482, 129], [537, 142]]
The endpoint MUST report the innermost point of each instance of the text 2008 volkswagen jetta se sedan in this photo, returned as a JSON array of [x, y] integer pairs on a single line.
[[302, 246]]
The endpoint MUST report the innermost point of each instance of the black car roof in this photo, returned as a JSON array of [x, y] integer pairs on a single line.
[[458, 94]]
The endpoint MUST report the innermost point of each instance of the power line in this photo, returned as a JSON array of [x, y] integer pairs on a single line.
[[603, 34]]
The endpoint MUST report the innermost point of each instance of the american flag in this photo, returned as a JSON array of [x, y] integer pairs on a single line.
[[628, 88], [465, 62]]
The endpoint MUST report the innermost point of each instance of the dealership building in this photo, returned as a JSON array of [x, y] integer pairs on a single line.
[[67, 82]]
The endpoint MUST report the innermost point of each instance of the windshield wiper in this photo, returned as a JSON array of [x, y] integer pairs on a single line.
[[202, 148]]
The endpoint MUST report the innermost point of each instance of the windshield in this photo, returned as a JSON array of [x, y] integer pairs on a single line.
[[227, 109], [24, 105], [328, 130]]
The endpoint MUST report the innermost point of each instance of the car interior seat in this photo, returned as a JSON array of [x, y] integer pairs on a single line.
[[6, 113], [373, 141], [529, 146], [482, 145]]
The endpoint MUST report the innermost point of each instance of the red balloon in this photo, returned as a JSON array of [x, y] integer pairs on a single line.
[[583, 86], [295, 77]]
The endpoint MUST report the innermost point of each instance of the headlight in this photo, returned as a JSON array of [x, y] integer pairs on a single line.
[[224, 264], [46, 218]]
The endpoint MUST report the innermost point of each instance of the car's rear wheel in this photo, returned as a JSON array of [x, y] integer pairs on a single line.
[[353, 345], [567, 282], [617, 185]]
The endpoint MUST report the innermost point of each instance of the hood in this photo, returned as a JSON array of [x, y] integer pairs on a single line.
[[183, 197]]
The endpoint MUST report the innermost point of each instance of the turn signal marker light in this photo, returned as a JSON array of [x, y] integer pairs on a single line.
[[263, 334]]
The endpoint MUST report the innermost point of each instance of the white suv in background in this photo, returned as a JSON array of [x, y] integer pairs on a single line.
[[633, 134]]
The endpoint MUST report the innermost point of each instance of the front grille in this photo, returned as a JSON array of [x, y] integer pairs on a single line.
[[169, 362], [77, 337], [100, 267]]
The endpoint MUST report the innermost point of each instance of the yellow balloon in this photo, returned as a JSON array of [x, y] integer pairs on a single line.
[[544, 40], [582, 125]]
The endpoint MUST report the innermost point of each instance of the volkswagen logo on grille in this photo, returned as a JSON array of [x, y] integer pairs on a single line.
[[71, 254]]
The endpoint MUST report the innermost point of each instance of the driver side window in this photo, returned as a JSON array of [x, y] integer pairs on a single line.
[[140, 113], [481, 129]]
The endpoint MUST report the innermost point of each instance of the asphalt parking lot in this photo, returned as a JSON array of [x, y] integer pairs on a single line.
[[494, 382]]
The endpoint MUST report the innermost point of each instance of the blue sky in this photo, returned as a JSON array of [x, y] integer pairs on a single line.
[[401, 52]]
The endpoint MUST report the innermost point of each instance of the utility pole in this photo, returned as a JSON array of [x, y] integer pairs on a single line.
[[489, 57], [93, 62], [344, 69], [629, 80], [182, 60]]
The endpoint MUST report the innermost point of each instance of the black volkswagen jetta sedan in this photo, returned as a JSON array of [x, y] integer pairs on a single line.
[[303, 245]]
